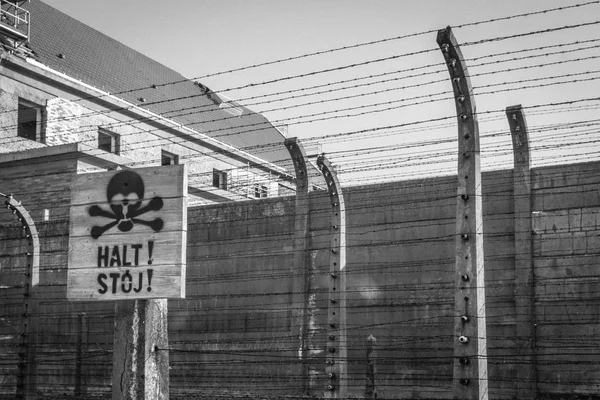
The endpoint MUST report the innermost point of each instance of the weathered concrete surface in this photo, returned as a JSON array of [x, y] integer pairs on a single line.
[[233, 334]]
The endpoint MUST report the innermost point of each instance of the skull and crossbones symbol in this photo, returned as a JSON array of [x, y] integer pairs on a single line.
[[125, 194]]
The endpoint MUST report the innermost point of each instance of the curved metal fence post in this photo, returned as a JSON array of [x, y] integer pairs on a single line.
[[337, 353], [27, 375], [524, 272], [470, 374], [300, 269]]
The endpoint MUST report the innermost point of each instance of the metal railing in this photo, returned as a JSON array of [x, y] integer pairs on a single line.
[[14, 21]]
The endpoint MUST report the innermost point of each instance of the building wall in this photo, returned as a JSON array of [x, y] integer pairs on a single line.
[[235, 333], [70, 118]]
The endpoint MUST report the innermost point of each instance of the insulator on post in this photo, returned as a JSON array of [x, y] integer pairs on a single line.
[[330, 387], [465, 278], [332, 349], [465, 381], [464, 236], [463, 339], [464, 318], [465, 197], [463, 360], [330, 375]]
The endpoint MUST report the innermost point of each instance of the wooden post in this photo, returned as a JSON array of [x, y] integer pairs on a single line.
[[140, 356], [524, 273], [370, 388], [300, 271], [337, 353], [470, 379], [128, 350], [27, 375], [141, 282], [156, 350]]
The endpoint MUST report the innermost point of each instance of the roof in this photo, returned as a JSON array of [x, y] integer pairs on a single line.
[[100, 61]]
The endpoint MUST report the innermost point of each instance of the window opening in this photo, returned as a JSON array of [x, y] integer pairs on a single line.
[[169, 158], [29, 121], [261, 191], [220, 179], [109, 142]]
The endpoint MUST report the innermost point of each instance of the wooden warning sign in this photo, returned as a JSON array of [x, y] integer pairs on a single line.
[[127, 235]]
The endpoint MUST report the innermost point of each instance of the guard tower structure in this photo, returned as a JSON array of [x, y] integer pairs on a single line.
[[14, 23]]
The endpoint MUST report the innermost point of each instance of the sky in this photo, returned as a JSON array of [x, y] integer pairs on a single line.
[[201, 39]]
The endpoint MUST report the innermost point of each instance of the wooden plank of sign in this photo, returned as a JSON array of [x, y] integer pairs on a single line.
[[158, 181], [154, 249], [174, 219], [126, 283]]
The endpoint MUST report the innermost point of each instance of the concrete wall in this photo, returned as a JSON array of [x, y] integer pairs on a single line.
[[235, 332], [566, 211]]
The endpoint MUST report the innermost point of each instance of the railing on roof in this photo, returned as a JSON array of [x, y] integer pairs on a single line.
[[14, 21]]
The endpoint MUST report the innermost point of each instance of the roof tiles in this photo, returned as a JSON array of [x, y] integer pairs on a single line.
[[100, 61]]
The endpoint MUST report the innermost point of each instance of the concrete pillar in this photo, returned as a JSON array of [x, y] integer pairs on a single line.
[[29, 280], [524, 273], [336, 369], [300, 268], [470, 376]]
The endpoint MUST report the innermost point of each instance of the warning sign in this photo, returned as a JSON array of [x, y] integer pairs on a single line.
[[127, 234]]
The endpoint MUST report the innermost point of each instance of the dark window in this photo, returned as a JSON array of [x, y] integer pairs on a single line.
[[261, 191], [29, 121], [109, 141], [169, 158], [220, 179]]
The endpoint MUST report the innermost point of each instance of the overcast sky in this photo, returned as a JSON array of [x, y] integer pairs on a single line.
[[199, 38]]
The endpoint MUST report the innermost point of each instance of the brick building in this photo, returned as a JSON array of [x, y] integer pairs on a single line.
[[74, 100]]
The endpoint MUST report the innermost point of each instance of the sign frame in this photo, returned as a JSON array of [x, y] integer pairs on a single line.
[[128, 234]]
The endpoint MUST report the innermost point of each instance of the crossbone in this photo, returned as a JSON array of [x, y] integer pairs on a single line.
[[124, 214]]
